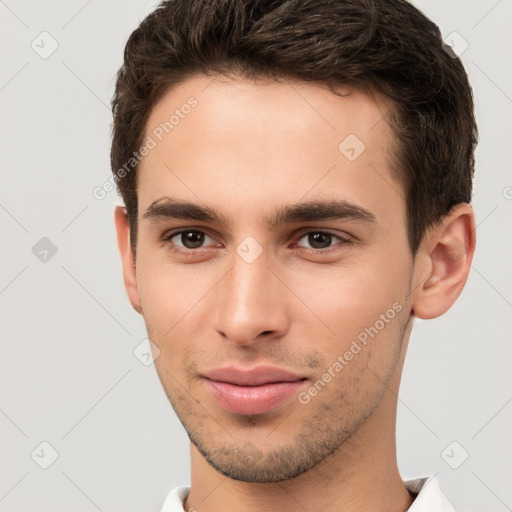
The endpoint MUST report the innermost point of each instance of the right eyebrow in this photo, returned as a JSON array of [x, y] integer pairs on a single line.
[[167, 208]]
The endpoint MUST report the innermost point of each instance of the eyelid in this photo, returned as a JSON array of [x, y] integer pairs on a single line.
[[312, 229]]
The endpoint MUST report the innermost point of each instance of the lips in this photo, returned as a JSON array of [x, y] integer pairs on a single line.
[[255, 390]]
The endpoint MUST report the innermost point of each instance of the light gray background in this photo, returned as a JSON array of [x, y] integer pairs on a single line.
[[68, 373]]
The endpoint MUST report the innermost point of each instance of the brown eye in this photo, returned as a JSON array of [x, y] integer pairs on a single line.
[[189, 239], [319, 240], [192, 239]]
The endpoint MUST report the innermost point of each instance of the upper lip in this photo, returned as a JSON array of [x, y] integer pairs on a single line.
[[252, 376]]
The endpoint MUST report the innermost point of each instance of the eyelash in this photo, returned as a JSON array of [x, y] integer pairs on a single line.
[[193, 252]]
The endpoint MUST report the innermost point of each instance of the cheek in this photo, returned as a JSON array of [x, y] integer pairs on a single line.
[[178, 303], [168, 291], [166, 298], [346, 301]]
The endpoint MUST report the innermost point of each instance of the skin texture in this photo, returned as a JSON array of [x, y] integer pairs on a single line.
[[246, 150]]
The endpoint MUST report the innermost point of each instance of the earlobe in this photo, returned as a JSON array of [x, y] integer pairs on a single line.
[[446, 252], [127, 259]]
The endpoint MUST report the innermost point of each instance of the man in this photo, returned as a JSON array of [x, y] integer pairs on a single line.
[[296, 178]]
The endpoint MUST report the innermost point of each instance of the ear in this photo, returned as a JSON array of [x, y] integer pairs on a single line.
[[443, 262], [127, 259]]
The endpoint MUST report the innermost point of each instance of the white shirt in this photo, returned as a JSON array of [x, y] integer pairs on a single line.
[[429, 497]]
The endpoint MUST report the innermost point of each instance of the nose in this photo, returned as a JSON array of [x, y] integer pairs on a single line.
[[252, 303]]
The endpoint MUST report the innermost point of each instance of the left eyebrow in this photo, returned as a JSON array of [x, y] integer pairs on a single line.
[[168, 208], [320, 210]]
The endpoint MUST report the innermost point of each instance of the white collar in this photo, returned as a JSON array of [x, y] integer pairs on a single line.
[[429, 497]]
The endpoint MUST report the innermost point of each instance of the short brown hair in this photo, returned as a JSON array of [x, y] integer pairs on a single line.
[[383, 45]]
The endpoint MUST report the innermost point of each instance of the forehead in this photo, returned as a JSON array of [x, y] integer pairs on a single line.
[[232, 141]]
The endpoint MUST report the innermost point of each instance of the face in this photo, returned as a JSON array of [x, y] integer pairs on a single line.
[[273, 268]]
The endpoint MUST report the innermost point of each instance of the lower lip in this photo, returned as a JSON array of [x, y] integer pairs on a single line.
[[252, 399]]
